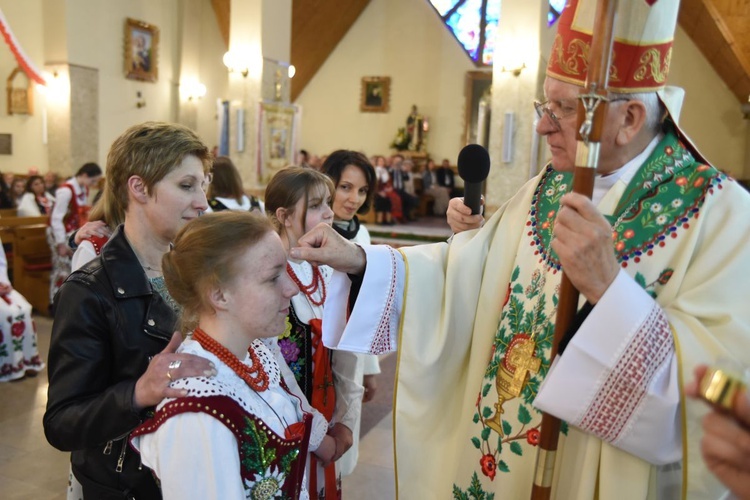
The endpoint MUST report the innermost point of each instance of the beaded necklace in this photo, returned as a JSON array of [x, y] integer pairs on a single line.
[[254, 375], [309, 290]]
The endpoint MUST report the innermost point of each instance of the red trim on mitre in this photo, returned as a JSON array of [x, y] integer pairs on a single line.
[[634, 67]]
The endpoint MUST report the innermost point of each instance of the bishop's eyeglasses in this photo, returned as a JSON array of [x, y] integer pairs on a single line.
[[565, 109]]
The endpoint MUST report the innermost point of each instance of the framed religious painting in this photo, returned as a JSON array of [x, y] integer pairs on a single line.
[[276, 138], [375, 94], [141, 51]]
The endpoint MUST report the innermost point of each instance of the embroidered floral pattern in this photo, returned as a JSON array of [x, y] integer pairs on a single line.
[[659, 203], [475, 491]]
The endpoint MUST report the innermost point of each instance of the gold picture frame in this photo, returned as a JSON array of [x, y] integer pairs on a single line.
[[375, 94], [141, 51]]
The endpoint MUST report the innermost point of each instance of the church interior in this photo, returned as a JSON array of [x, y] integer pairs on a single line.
[[260, 80]]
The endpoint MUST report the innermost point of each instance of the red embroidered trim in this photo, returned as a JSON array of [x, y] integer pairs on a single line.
[[625, 388], [381, 343]]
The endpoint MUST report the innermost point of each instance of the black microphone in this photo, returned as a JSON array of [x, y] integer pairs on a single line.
[[473, 167]]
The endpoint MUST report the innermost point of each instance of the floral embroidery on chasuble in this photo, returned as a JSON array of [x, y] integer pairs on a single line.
[[271, 466], [659, 205]]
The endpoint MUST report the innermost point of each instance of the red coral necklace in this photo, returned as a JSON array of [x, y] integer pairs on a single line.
[[309, 290], [254, 375]]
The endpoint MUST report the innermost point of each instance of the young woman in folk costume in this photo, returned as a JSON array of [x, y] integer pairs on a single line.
[[355, 181], [297, 199], [68, 214], [244, 433]]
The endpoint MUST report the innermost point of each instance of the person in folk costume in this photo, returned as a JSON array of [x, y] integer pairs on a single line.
[[297, 199], [354, 178], [19, 354], [657, 255], [68, 214], [226, 192], [245, 432]]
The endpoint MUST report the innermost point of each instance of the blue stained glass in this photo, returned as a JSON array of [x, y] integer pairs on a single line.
[[464, 19], [555, 8], [465, 22]]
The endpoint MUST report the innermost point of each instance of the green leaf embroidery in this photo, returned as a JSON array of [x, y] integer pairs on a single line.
[[507, 428], [523, 415], [486, 390], [486, 412], [486, 433], [476, 442], [502, 466], [640, 279], [515, 447]]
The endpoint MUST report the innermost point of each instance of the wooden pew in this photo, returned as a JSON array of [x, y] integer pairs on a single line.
[[32, 263]]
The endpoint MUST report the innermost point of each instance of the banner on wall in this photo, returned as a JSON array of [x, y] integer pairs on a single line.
[[276, 138]]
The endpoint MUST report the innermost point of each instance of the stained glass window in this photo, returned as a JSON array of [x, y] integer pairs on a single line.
[[474, 24], [555, 8]]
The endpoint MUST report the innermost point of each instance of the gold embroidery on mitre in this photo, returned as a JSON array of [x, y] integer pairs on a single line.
[[651, 65], [568, 59]]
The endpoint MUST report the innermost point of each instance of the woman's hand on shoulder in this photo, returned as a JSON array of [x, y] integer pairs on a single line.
[[165, 367]]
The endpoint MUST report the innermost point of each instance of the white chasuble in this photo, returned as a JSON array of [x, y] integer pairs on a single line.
[[476, 318]]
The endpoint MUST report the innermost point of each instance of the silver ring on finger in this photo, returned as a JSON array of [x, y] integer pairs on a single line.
[[172, 365]]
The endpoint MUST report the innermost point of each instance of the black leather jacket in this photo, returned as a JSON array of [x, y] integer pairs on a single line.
[[108, 323]]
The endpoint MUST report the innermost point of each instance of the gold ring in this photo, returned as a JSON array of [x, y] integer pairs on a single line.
[[721, 388], [169, 375]]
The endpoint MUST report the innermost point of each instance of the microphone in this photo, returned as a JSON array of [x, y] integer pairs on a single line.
[[473, 167]]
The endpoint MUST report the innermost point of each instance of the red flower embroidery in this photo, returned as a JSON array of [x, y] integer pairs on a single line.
[[698, 182], [532, 436], [550, 214], [17, 329], [702, 168], [669, 150], [681, 181], [629, 233], [620, 246], [489, 467], [507, 296], [545, 224]]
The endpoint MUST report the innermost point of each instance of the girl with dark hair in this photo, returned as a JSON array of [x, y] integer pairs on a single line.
[[354, 178], [35, 201], [297, 199]]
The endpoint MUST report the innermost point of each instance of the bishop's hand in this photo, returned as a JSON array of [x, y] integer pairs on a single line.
[[583, 243], [324, 246]]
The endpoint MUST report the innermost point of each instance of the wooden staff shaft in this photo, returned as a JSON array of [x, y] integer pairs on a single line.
[[583, 182]]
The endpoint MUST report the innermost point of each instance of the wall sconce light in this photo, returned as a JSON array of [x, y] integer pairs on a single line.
[[516, 71], [57, 89], [290, 69], [192, 89], [235, 63]]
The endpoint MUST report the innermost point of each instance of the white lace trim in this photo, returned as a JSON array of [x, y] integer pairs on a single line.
[[275, 406]]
